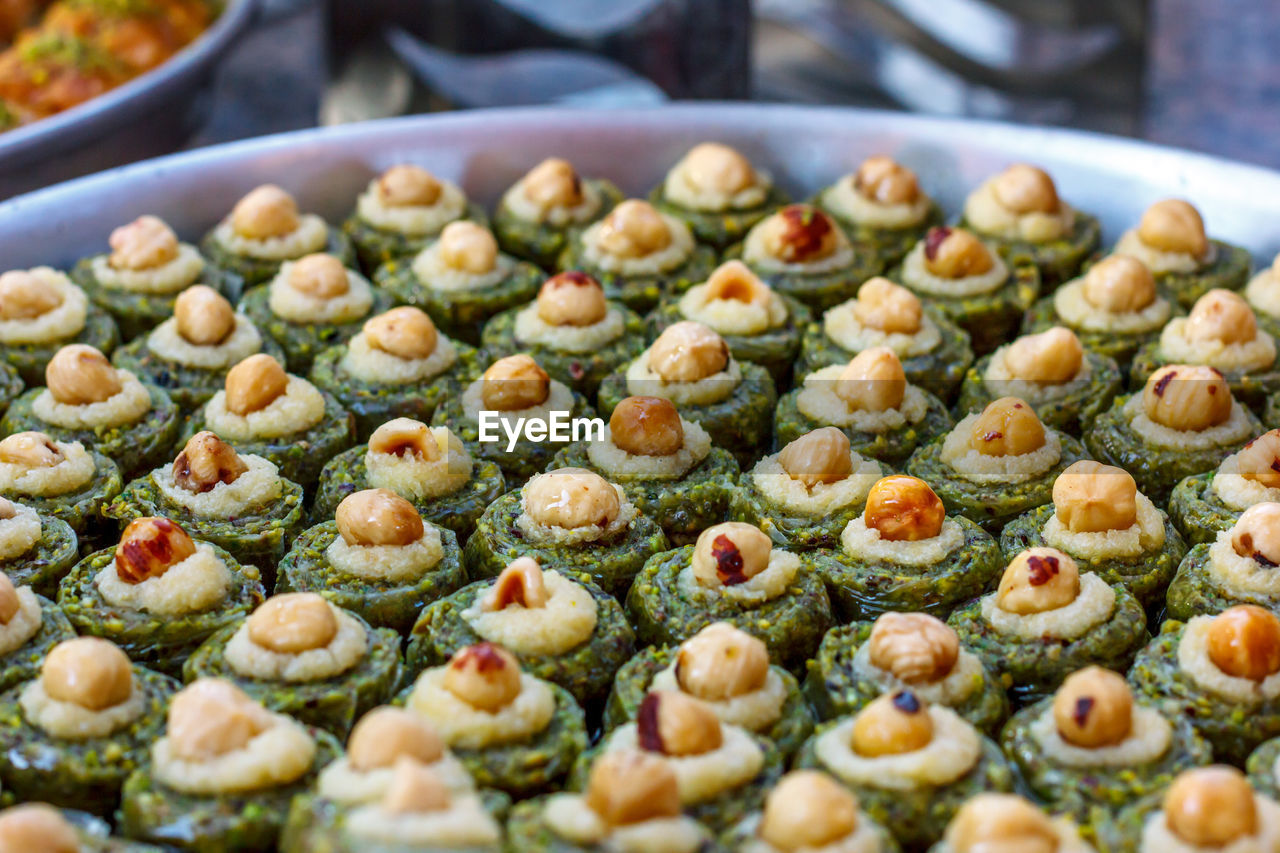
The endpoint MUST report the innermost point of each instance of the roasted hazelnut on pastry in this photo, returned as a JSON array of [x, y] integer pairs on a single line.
[[872, 381], [1256, 533], [145, 243], [634, 229], [904, 509], [1089, 497], [1054, 355], [149, 547], [819, 456], [1007, 427], [30, 449], [203, 315], [721, 662], [1211, 807], [25, 296], [407, 185], [485, 676], [1001, 823], [889, 307], [414, 789], [37, 828], [293, 622], [886, 181], [513, 383], [955, 253], [87, 671], [893, 724], [320, 275], [688, 351], [1173, 225], [1187, 397], [7, 511], [10, 604], [386, 734], [206, 461], [265, 212], [571, 498], [79, 375], [629, 786], [373, 517], [1223, 316], [468, 247], [1022, 188], [715, 167], [1093, 708], [211, 717], [405, 437], [915, 647], [520, 584], [733, 281], [1244, 642], [646, 426], [571, 299], [1119, 284], [730, 553], [405, 332], [1037, 580], [254, 383], [799, 233], [671, 723], [807, 810], [1259, 460], [553, 183]]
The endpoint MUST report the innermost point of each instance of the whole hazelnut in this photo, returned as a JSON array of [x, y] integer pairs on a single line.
[[79, 375], [405, 332], [266, 212], [149, 547], [799, 233], [211, 717], [320, 276], [553, 183], [87, 671], [1223, 316], [733, 281], [520, 584], [1038, 580], [873, 381], [1053, 356], [914, 647], [721, 662], [25, 296], [1259, 460], [634, 229], [293, 622], [1244, 642], [673, 723], [30, 450], [37, 828], [468, 247], [485, 676], [885, 181], [646, 426], [1001, 823], [893, 724], [1089, 497], [145, 243], [254, 383], [628, 786], [406, 437], [904, 509], [513, 383], [1187, 397], [730, 553], [1211, 807], [571, 299], [714, 167], [807, 810], [373, 517], [1119, 284], [889, 307], [414, 789], [1022, 188], [1174, 225], [688, 351], [206, 461], [1007, 427], [955, 253], [386, 734], [818, 456], [7, 509], [408, 186], [1093, 708], [1256, 534], [203, 315], [10, 604], [571, 498]]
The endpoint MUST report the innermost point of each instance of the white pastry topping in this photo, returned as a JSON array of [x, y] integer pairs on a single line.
[[1233, 430], [1079, 313], [290, 304], [277, 756], [964, 680], [775, 580], [344, 650], [559, 399], [24, 624], [1257, 354], [864, 543], [388, 563], [1262, 293], [755, 711], [63, 322], [1157, 837], [1148, 739], [257, 487], [616, 463], [1000, 380], [733, 764], [165, 342], [418, 479], [532, 329], [1195, 664], [643, 382], [311, 235], [1157, 260], [983, 210], [299, 408], [465, 727], [69, 721], [1237, 491], [126, 406], [1143, 536], [679, 190], [193, 585], [981, 468], [539, 534], [464, 824], [819, 401], [344, 784], [732, 316], [954, 750], [569, 816], [844, 200], [675, 253], [74, 471], [522, 207], [413, 220], [1240, 576], [917, 276], [822, 499], [168, 278], [842, 326], [19, 533], [370, 364], [566, 621], [1092, 606]]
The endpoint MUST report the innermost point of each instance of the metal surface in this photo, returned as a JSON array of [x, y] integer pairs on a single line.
[[147, 115], [804, 147]]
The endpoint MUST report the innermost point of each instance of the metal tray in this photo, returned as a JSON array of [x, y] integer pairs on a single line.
[[804, 147], [148, 115]]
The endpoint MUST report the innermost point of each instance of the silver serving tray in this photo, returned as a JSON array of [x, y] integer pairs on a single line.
[[804, 147]]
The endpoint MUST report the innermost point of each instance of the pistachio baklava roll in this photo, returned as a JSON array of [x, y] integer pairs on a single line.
[[41, 311], [881, 205], [60, 479], [810, 810], [992, 821], [30, 624], [538, 212], [1202, 505], [36, 550]]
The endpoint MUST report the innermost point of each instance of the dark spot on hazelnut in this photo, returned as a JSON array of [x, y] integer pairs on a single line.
[[934, 239], [992, 436], [806, 230], [1213, 389], [1041, 570], [1275, 464], [486, 657], [577, 278], [1080, 713], [1163, 383], [906, 702], [647, 734], [728, 561]]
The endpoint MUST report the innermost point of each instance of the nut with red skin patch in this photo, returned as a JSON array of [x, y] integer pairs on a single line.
[[1007, 427], [373, 517], [1211, 807], [730, 553], [1119, 284], [893, 724], [629, 786], [30, 449], [904, 509], [571, 299], [1093, 708], [955, 253], [266, 212], [485, 676], [206, 461], [1089, 497], [672, 723], [1038, 580], [79, 375], [915, 647], [646, 426], [886, 181], [520, 584], [1256, 534], [1187, 397], [818, 457], [1173, 225], [799, 233], [25, 296], [407, 185], [1259, 460], [149, 547]]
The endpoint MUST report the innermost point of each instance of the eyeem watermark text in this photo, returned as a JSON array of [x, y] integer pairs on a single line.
[[558, 427]]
